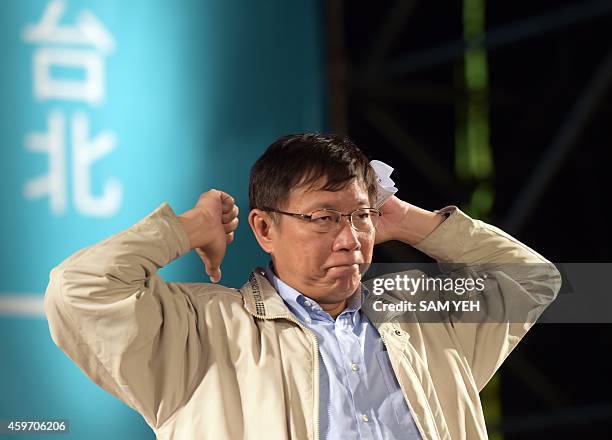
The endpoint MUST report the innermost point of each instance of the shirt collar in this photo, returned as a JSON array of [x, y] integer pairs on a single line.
[[304, 307]]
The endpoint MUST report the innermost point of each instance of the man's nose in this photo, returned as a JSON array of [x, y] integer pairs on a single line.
[[347, 238]]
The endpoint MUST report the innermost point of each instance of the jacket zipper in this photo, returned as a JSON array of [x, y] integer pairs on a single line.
[[315, 365], [418, 425]]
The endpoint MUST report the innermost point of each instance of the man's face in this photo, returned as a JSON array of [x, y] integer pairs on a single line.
[[325, 266]]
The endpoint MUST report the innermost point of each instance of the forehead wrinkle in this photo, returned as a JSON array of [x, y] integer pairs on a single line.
[[325, 202], [319, 198]]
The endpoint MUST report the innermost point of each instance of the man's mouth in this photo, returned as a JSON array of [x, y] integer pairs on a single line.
[[345, 265]]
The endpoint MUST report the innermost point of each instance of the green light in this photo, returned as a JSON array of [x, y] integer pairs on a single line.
[[473, 154]]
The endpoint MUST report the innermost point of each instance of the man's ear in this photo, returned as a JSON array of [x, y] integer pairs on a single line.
[[261, 223]]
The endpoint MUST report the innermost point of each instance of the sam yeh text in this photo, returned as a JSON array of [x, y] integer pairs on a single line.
[[428, 306]]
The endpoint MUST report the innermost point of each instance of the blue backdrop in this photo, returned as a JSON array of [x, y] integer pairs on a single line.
[[107, 109]]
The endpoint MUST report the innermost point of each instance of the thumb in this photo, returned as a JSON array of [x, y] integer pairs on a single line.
[[212, 262]]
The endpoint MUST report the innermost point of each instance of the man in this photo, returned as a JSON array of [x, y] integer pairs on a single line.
[[296, 352]]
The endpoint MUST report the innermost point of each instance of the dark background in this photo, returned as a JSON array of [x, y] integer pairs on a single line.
[[395, 86]]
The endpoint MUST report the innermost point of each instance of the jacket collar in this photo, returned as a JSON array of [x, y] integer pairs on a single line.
[[261, 299]]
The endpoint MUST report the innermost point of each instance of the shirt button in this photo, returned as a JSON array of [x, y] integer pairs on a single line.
[[354, 367], [307, 303], [365, 418]]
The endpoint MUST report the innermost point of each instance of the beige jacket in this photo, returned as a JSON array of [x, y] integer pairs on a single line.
[[204, 361]]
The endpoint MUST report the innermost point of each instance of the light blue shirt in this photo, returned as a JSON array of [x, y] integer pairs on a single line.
[[360, 397]]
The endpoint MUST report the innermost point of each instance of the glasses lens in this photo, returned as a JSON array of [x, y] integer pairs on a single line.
[[324, 220], [364, 219]]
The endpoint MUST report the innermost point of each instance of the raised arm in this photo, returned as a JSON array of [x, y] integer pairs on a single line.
[[133, 334], [520, 283]]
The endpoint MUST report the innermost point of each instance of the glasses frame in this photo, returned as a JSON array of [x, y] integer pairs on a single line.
[[308, 217]]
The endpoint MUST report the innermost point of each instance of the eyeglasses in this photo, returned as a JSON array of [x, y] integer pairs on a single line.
[[327, 220]]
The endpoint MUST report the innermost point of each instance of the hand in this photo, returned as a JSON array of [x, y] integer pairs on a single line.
[[210, 226], [405, 222], [394, 211]]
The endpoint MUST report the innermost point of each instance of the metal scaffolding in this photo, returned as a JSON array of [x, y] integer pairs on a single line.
[[365, 89]]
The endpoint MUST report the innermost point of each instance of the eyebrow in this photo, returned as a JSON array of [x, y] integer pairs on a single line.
[[363, 203]]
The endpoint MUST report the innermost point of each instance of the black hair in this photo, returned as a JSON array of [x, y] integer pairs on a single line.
[[298, 160]]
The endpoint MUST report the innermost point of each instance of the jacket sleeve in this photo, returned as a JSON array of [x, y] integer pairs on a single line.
[[519, 285], [133, 334]]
